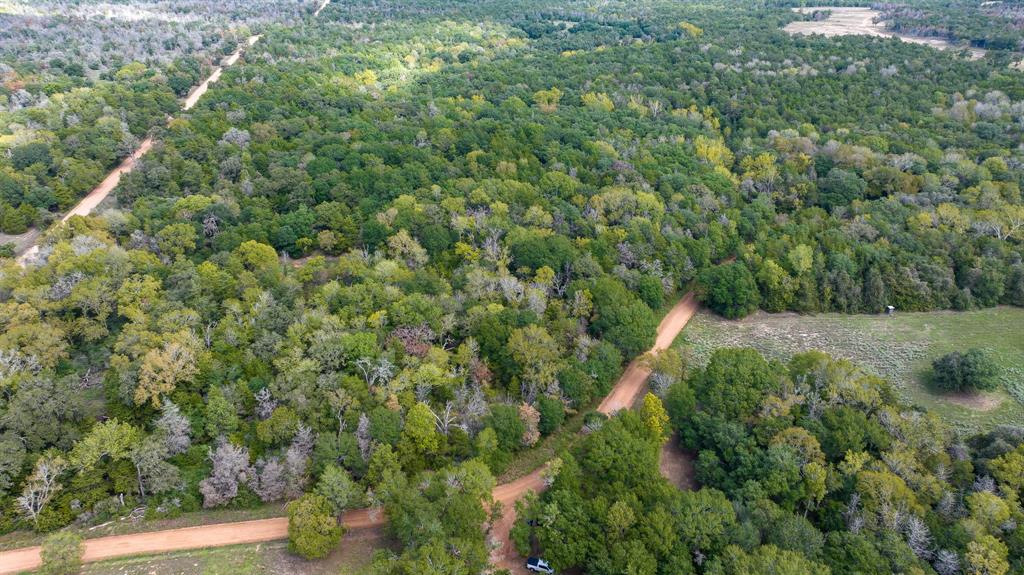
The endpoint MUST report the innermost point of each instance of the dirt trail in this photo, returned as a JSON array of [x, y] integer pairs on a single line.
[[101, 191], [623, 395], [321, 8]]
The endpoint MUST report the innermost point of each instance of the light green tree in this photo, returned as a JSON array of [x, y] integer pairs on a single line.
[[313, 529]]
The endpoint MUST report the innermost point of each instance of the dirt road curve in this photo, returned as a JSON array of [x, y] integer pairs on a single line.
[[623, 395], [625, 392]]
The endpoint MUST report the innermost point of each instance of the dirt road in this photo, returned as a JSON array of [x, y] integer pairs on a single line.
[[629, 386], [623, 395], [101, 191], [198, 91]]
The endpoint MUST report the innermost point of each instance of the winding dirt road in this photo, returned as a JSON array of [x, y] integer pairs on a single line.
[[623, 395]]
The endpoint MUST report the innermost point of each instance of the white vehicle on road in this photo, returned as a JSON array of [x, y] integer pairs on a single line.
[[538, 565]]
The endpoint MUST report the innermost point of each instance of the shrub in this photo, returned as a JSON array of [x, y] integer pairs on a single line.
[[62, 554]]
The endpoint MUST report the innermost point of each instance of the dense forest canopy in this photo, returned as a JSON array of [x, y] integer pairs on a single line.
[[397, 245]]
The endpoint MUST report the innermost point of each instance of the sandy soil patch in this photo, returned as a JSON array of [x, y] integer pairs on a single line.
[[975, 401]]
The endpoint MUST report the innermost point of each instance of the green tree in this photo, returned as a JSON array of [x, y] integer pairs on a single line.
[[109, 439], [1008, 469], [764, 560], [840, 188], [777, 287], [707, 519], [730, 290], [28, 154], [621, 318], [336, 486], [734, 383], [177, 239], [221, 416], [313, 529], [509, 428], [986, 556], [537, 355], [420, 440], [655, 418], [535, 250], [552, 414]]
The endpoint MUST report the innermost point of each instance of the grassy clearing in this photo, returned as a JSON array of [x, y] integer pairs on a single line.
[[239, 559], [899, 348]]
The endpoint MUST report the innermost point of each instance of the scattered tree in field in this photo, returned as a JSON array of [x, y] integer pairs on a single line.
[[971, 371]]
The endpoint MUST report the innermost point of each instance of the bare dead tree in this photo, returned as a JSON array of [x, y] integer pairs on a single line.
[[41, 486], [445, 418]]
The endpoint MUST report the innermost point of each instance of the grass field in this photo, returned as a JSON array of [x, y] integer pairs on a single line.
[[899, 347]]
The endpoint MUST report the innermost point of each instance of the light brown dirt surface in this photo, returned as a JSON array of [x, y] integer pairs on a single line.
[[158, 542], [976, 401], [853, 21], [97, 195], [22, 242], [631, 384], [504, 555], [89, 203], [623, 395]]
